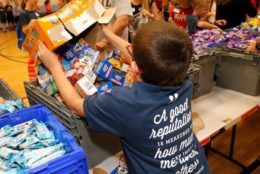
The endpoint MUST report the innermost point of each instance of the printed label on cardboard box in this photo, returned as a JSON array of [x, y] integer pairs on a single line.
[[89, 74], [86, 86]]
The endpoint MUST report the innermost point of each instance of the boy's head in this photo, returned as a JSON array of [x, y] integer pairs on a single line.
[[162, 53], [201, 7]]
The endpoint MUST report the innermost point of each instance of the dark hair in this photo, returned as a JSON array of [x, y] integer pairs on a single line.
[[163, 52], [23, 4], [46, 2]]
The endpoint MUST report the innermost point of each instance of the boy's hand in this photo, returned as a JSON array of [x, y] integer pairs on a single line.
[[48, 58], [221, 22]]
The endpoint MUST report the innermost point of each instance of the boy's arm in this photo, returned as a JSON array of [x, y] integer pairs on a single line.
[[207, 25], [67, 91]]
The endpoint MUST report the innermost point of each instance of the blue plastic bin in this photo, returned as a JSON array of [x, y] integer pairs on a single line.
[[73, 162]]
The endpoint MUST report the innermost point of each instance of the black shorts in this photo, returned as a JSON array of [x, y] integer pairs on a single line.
[[3, 18], [10, 18]]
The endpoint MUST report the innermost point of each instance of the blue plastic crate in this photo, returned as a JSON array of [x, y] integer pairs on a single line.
[[74, 161]]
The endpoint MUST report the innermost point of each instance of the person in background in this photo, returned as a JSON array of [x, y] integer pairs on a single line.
[[155, 123], [182, 10], [61, 4], [26, 21], [9, 15], [47, 5], [2, 16], [234, 11], [123, 17], [168, 9], [253, 46], [17, 11], [138, 8], [156, 8], [200, 9]]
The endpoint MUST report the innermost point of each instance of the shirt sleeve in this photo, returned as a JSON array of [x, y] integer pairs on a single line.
[[192, 22], [123, 7], [102, 113], [22, 20]]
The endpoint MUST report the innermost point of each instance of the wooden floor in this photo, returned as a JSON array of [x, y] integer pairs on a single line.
[[248, 133]]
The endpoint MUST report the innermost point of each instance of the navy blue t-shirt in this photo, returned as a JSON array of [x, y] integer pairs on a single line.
[[155, 126], [192, 24]]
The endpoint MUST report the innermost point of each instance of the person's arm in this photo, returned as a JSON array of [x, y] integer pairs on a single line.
[[120, 24], [155, 11], [116, 41], [67, 91], [207, 25]]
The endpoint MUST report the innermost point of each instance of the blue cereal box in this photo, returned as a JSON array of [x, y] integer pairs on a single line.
[[89, 55], [106, 87], [104, 69], [117, 78], [70, 54]]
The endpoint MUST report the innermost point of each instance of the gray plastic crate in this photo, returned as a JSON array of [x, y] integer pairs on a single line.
[[239, 71], [98, 146], [194, 75], [6, 92], [207, 72]]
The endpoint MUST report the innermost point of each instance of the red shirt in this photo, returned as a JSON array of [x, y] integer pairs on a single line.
[[48, 8], [180, 16], [254, 3], [159, 4]]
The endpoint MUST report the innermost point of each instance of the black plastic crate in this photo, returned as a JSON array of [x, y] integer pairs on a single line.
[[6, 92], [98, 146]]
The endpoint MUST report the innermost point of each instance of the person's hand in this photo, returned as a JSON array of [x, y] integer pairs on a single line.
[[48, 58], [252, 46], [102, 45], [221, 22], [145, 12], [212, 13], [2, 100]]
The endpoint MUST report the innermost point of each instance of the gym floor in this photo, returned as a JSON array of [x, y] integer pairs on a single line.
[[13, 69]]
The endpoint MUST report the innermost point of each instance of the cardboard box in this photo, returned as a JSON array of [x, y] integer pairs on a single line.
[[117, 78], [74, 18], [84, 87], [104, 69], [89, 56], [77, 16], [89, 74], [106, 87], [116, 63], [50, 31]]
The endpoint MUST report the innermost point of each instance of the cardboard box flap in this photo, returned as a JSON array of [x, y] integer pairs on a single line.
[[107, 16]]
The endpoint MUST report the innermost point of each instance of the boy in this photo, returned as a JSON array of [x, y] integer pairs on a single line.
[[200, 10], [2, 16], [153, 118], [9, 15]]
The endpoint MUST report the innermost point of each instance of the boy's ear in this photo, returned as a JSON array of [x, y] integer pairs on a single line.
[[134, 67]]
